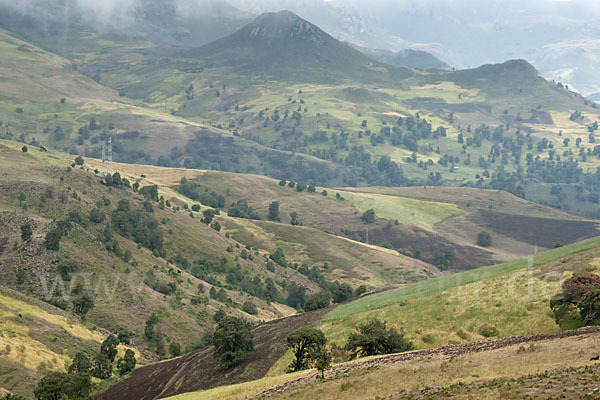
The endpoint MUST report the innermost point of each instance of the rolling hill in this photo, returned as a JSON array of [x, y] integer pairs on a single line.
[[448, 312], [410, 58]]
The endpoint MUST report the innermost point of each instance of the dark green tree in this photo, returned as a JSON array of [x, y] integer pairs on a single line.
[[232, 340], [445, 257], [149, 330], [81, 364], [368, 216], [296, 295], [127, 363], [82, 304], [219, 315], [102, 367], [208, 214], [109, 347], [373, 338], [295, 221], [306, 344], [484, 239], [26, 231], [249, 307], [341, 292], [61, 386], [24, 149], [317, 301], [274, 211], [323, 361], [175, 349], [52, 240]]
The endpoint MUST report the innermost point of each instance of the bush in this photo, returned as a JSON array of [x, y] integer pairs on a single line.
[[317, 301], [175, 349], [484, 239], [26, 231], [219, 315], [250, 308], [445, 257], [368, 216], [52, 240], [232, 340], [374, 338], [488, 331]]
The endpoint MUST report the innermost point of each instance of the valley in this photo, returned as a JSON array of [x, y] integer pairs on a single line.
[[193, 197]]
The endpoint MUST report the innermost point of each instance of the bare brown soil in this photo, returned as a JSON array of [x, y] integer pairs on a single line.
[[199, 370], [545, 232]]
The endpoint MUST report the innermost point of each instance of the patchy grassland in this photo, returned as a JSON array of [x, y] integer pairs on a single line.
[[438, 285], [424, 214]]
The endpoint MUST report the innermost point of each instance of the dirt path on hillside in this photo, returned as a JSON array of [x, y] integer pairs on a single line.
[[445, 351]]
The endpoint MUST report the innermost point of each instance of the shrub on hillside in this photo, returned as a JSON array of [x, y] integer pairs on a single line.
[[374, 338], [232, 340], [578, 303], [484, 239], [317, 301]]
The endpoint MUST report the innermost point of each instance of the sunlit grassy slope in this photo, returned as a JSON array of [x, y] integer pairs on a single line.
[[439, 285]]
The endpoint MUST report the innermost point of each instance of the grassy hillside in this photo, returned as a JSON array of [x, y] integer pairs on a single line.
[[512, 298], [408, 220], [557, 365], [36, 338]]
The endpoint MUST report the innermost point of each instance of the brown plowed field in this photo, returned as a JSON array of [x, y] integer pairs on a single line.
[[545, 232]]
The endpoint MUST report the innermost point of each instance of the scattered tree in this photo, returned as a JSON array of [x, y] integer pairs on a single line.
[[484, 239], [232, 340], [26, 231], [306, 344], [127, 363], [374, 338], [109, 347], [175, 349], [250, 308], [368, 216], [274, 211], [323, 361]]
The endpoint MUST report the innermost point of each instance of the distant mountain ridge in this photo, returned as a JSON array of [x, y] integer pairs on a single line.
[[411, 58]]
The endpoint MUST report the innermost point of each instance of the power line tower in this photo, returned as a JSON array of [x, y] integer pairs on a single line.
[[103, 159], [107, 166], [109, 159]]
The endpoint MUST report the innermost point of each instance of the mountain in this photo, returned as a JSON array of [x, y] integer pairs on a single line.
[[558, 37], [284, 46], [410, 58], [343, 23], [572, 62]]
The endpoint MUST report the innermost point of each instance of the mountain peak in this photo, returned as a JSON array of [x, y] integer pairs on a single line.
[[284, 26]]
